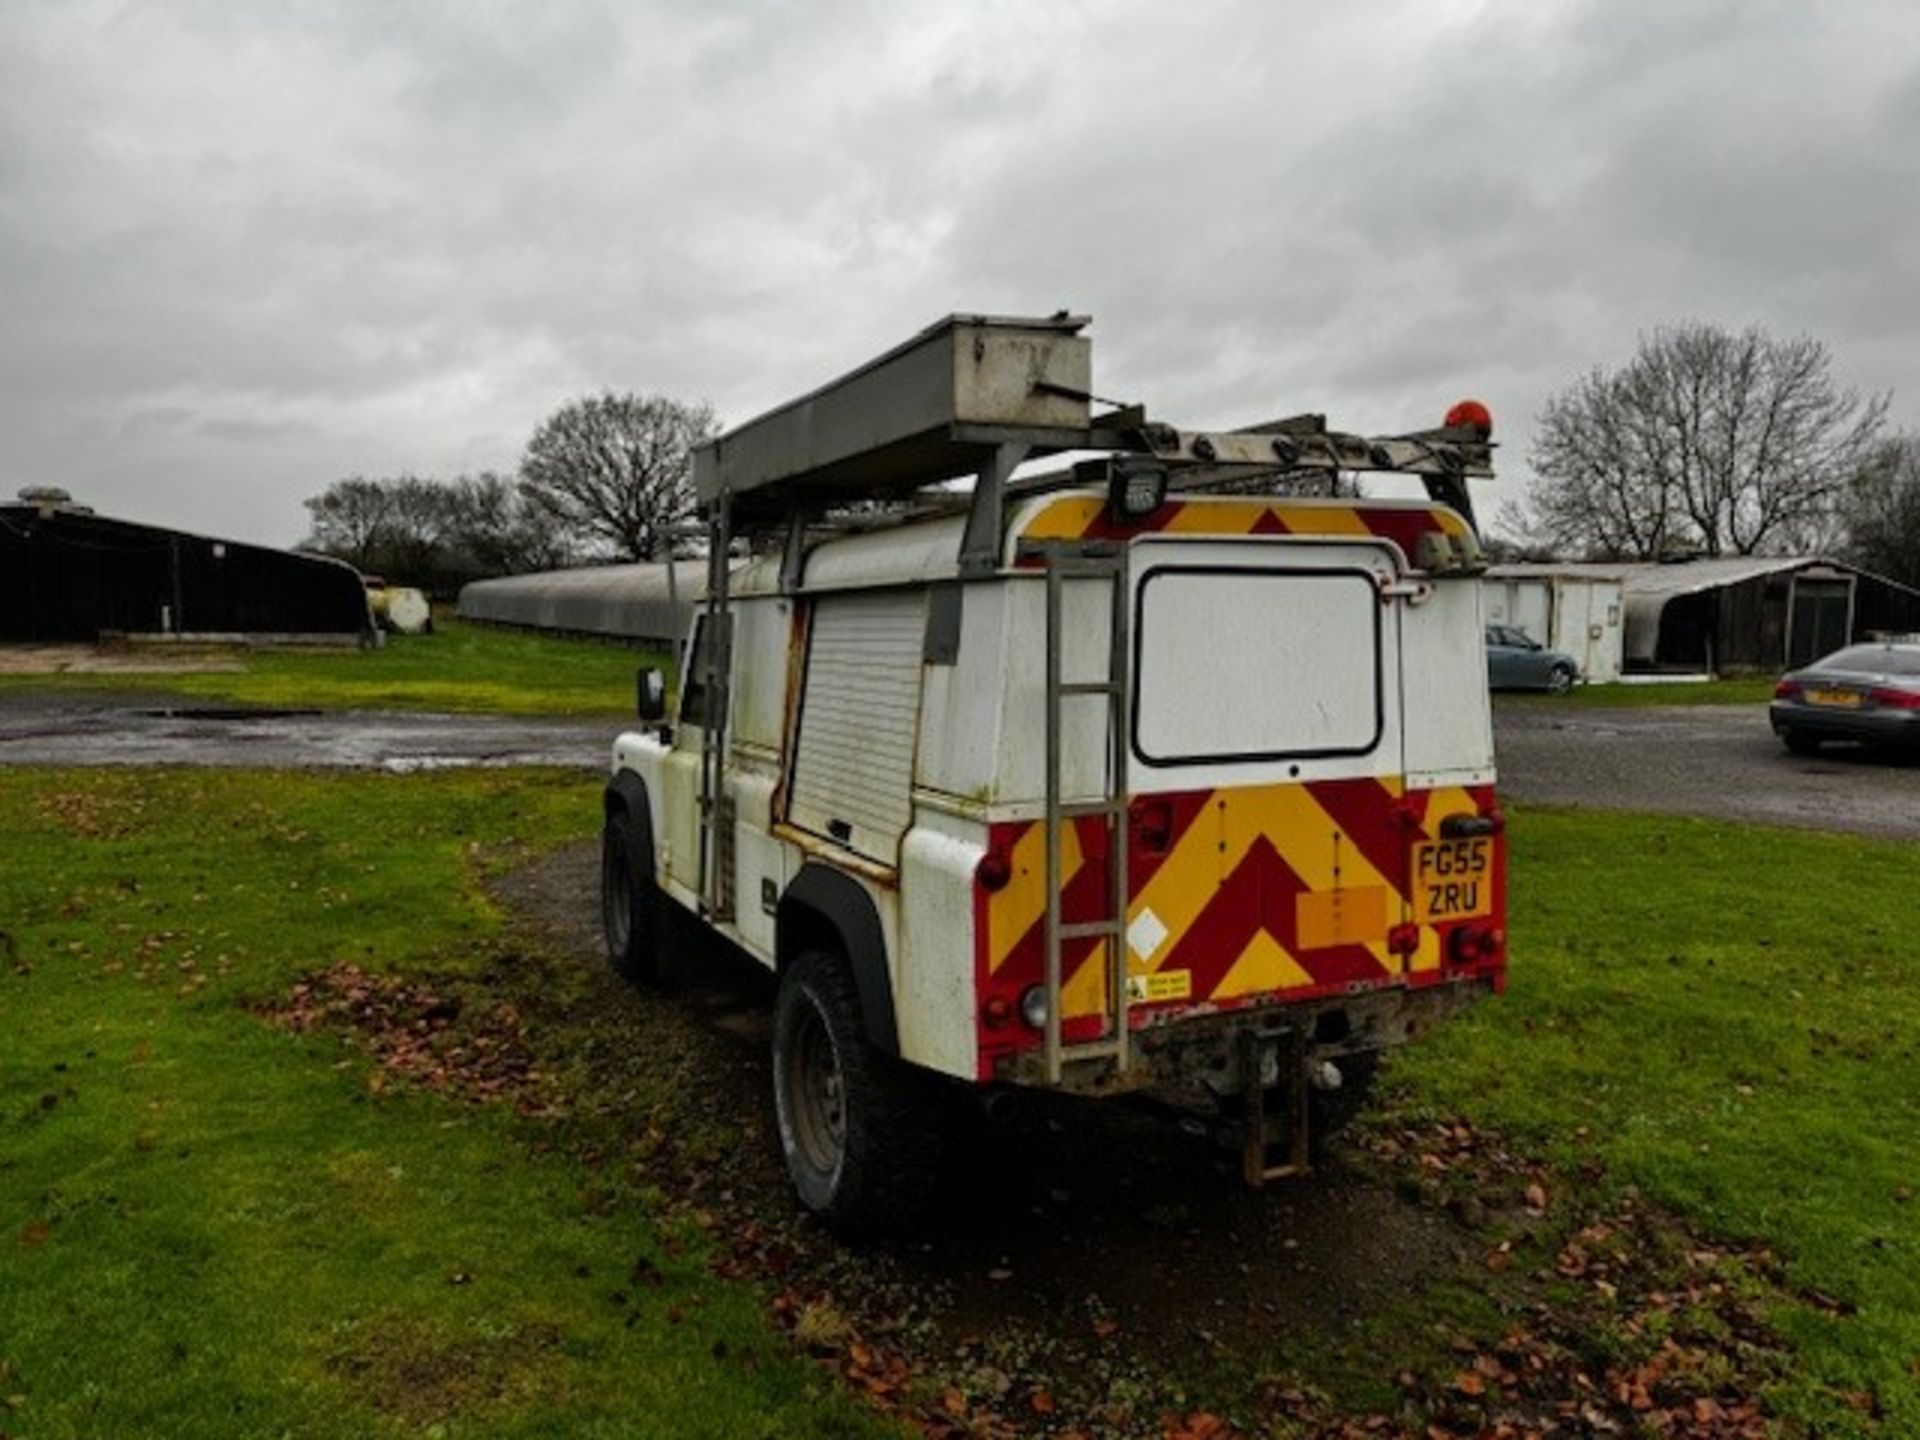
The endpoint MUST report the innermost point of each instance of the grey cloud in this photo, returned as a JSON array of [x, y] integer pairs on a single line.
[[244, 250]]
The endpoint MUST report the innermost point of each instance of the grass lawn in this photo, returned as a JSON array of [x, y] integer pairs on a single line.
[[457, 668], [214, 1225], [1727, 1017], [210, 1225], [1745, 691]]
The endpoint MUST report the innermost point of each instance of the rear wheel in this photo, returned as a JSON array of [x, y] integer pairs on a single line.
[[632, 915], [859, 1130], [1560, 680], [1799, 742]]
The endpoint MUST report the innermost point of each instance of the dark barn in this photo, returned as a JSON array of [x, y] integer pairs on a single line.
[[1752, 614], [67, 574]]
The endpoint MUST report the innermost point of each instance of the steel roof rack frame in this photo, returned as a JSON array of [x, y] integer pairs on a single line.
[[981, 395]]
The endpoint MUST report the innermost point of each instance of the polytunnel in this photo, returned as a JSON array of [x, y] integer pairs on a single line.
[[643, 603]]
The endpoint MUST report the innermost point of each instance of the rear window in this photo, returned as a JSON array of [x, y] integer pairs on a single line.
[[1874, 659], [1256, 664]]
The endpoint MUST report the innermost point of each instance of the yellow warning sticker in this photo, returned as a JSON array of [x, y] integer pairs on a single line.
[[1160, 985]]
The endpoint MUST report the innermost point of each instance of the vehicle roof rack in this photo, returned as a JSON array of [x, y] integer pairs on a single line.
[[981, 395]]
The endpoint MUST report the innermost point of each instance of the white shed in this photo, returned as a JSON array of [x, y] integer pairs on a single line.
[[1577, 609]]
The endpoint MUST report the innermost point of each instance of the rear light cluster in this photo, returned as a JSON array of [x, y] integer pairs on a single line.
[[1897, 699], [1787, 689], [994, 870], [1471, 943]]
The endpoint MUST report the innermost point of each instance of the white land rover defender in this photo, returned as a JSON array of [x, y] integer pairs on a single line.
[[1100, 779]]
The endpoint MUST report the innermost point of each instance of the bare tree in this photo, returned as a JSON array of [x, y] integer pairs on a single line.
[[1883, 513], [1705, 440], [617, 469], [432, 533], [349, 518]]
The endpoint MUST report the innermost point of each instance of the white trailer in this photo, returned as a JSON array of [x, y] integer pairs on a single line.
[[1575, 609]]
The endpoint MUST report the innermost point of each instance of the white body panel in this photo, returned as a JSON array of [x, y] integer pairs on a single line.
[[1316, 651]]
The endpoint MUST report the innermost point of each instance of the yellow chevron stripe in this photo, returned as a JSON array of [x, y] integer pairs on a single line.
[[1213, 517], [1065, 519], [1012, 912], [1263, 965], [1300, 828]]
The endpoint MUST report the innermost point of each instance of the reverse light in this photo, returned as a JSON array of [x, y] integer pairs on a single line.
[[1033, 1006]]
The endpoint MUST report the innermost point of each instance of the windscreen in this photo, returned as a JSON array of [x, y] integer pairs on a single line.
[[1236, 663], [1873, 660]]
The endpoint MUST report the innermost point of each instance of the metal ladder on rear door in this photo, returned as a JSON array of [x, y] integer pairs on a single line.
[[716, 666], [1063, 565]]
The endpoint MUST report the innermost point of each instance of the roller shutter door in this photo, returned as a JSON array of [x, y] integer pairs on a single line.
[[860, 713]]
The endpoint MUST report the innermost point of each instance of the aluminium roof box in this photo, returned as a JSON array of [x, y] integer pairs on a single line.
[[928, 410]]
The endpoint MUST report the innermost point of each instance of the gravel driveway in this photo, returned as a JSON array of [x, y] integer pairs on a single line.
[[1714, 760], [148, 729]]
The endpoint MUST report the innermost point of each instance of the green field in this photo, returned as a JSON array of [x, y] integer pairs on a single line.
[[1728, 1018], [213, 1224], [458, 668], [1744, 691]]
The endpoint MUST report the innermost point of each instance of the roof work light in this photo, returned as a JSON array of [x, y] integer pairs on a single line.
[[1135, 487]]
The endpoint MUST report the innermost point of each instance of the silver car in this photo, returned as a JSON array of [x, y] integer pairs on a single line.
[[1516, 661]]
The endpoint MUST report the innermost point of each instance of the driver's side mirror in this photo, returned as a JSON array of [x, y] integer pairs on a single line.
[[650, 694]]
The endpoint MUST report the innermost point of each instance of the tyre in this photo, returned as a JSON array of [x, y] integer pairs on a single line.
[[1560, 680], [859, 1130], [632, 909], [1799, 742]]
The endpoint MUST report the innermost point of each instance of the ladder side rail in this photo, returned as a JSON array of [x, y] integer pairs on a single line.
[[1052, 820], [1119, 716], [715, 670]]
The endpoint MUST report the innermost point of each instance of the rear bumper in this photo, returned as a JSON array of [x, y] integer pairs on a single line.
[[1207, 1048], [1872, 727]]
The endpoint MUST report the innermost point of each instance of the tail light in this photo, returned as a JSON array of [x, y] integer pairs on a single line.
[[1897, 699], [1152, 825], [1471, 943], [1787, 689], [996, 1012], [994, 870], [1403, 939]]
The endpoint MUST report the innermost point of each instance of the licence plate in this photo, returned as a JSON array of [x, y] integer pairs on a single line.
[[1452, 879], [1847, 698]]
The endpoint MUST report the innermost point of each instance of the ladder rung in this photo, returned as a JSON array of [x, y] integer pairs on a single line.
[[1090, 1050], [1074, 809], [1090, 687], [1081, 929]]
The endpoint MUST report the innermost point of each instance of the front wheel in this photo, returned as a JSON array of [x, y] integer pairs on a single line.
[[1559, 680], [859, 1130], [631, 918]]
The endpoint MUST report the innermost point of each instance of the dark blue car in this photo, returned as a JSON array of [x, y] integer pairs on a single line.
[[1867, 693]]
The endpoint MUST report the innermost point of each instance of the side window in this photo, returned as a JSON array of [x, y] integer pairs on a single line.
[[693, 688]]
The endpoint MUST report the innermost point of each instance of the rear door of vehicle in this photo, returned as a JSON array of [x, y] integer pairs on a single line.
[[1266, 854]]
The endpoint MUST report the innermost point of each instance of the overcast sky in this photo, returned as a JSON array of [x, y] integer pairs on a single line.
[[246, 249]]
